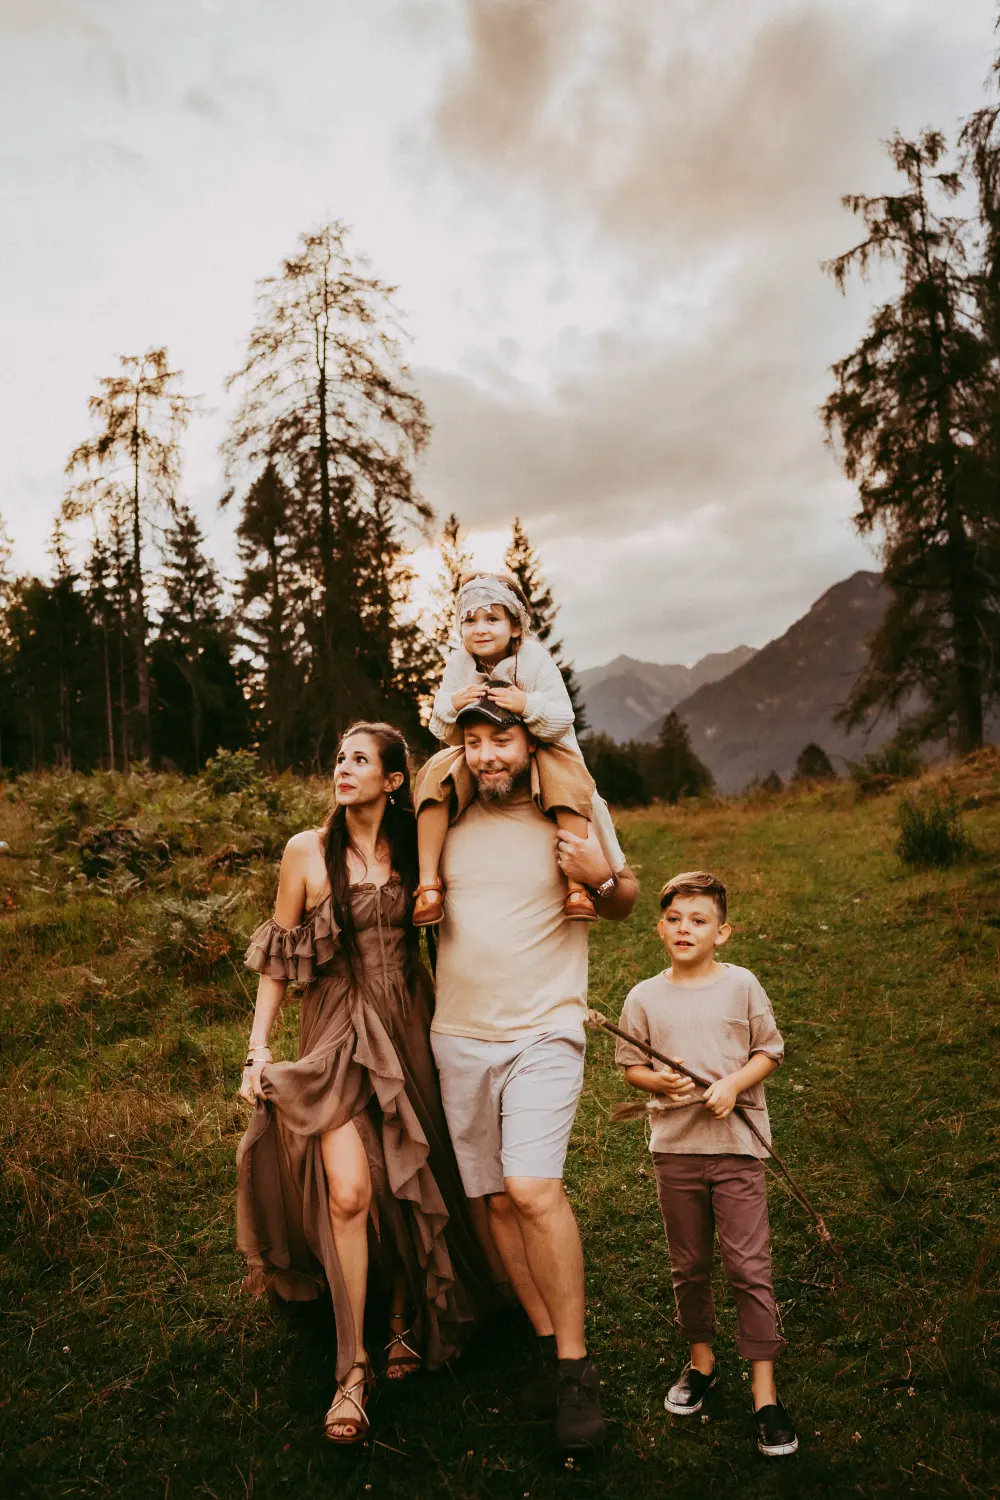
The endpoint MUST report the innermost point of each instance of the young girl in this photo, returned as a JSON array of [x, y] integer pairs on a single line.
[[497, 645]]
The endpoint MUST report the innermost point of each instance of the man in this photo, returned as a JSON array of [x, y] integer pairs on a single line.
[[508, 1037]]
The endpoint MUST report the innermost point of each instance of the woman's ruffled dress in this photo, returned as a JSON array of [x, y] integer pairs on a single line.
[[364, 1055]]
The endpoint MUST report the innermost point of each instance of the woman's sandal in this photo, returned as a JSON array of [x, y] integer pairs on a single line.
[[428, 911], [345, 1397], [407, 1363]]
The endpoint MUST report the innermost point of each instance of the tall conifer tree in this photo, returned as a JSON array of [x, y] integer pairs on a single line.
[[327, 401], [910, 410], [521, 560], [130, 467]]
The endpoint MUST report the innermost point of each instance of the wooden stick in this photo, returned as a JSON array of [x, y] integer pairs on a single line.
[[596, 1019]]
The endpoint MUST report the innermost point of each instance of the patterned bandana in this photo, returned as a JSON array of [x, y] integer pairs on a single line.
[[486, 593]]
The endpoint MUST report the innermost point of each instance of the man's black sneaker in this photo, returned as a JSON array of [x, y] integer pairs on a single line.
[[688, 1394], [580, 1426], [775, 1433], [538, 1398]]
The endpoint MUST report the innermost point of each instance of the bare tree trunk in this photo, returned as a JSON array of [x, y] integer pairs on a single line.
[[108, 707], [961, 563], [123, 700], [141, 660]]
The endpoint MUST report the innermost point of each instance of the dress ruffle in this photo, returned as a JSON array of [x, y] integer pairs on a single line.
[[363, 1058], [295, 953]]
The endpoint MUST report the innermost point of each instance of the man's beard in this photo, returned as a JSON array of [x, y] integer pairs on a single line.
[[502, 788]]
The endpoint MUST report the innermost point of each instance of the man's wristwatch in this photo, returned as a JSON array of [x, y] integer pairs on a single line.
[[606, 887]]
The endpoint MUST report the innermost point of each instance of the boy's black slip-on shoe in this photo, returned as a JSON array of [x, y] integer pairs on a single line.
[[580, 1425], [687, 1394], [775, 1433]]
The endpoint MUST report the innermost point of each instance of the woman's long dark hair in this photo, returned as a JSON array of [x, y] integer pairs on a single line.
[[398, 828]]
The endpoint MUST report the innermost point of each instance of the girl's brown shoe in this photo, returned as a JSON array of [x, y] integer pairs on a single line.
[[579, 907], [428, 908]]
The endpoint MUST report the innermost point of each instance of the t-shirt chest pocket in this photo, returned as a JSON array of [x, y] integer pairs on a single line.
[[735, 1041]]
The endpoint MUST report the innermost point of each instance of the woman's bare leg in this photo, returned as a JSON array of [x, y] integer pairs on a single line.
[[403, 1350], [349, 1195], [432, 830]]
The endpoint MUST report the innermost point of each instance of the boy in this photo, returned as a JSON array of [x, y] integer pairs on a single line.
[[715, 1018]]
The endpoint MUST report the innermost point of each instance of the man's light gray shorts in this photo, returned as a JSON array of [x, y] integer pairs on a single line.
[[509, 1105]]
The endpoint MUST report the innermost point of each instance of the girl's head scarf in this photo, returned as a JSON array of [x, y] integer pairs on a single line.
[[484, 592]]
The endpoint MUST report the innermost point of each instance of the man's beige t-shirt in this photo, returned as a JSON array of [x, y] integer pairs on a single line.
[[714, 1028], [509, 963]]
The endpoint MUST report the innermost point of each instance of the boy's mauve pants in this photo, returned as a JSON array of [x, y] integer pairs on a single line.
[[700, 1195]]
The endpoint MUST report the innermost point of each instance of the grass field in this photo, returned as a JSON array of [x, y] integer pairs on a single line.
[[132, 1366]]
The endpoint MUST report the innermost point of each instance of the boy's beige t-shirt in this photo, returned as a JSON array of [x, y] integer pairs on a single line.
[[508, 961], [714, 1028]]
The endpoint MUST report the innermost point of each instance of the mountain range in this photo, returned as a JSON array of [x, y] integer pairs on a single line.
[[751, 712], [627, 699]]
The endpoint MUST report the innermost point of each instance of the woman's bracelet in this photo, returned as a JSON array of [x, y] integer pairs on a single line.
[[252, 1058]]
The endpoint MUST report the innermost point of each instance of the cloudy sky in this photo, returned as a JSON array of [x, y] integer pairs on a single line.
[[605, 219]]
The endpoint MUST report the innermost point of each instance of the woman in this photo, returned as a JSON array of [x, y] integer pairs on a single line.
[[348, 1149]]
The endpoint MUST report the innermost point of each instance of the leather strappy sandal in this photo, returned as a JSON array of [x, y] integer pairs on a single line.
[[428, 908], [407, 1363], [340, 1413], [579, 907]]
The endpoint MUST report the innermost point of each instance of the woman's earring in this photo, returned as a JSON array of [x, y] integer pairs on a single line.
[[392, 798]]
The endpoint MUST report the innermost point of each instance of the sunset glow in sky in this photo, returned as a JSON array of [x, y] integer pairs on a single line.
[[605, 219]]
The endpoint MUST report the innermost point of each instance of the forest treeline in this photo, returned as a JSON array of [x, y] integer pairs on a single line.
[[137, 650]]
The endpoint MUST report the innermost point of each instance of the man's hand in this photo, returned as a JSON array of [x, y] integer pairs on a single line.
[[471, 694], [721, 1097], [513, 699], [582, 859]]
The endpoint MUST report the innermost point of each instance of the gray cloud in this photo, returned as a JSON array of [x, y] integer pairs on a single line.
[[672, 142]]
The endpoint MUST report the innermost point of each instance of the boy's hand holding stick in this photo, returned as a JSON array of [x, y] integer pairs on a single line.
[[596, 1019]]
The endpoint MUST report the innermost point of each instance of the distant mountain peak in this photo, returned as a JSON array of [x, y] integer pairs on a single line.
[[758, 718], [750, 712], [627, 698]]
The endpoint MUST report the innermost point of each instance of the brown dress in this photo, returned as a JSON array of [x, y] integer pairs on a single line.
[[364, 1055]]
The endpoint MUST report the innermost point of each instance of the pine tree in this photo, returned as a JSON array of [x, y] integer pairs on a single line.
[[327, 401], [911, 408], [194, 646], [8, 586], [455, 561], [131, 468], [270, 624], [52, 670], [672, 769], [522, 563], [813, 764], [101, 604]]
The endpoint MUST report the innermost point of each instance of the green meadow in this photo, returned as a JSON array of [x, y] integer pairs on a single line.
[[134, 1366]]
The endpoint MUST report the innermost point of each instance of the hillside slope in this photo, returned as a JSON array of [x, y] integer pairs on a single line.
[[758, 718]]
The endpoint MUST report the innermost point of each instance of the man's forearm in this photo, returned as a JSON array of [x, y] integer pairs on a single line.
[[618, 904]]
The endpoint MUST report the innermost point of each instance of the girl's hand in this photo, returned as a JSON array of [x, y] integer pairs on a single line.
[[513, 699], [721, 1097], [250, 1083], [467, 695]]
